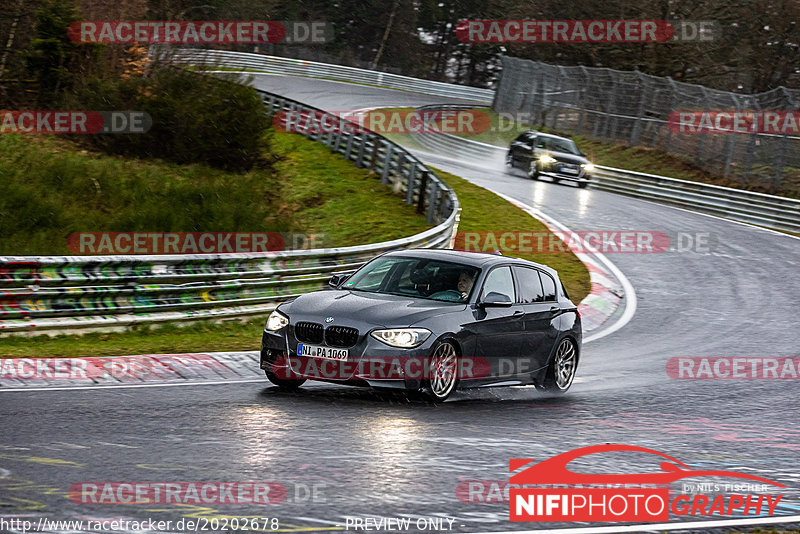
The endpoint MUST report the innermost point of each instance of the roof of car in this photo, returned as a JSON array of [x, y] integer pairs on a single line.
[[540, 134], [475, 259]]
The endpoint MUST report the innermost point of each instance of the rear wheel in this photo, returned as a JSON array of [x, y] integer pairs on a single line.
[[286, 384], [561, 371], [443, 370]]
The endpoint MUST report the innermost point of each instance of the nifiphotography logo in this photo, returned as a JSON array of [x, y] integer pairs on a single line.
[[633, 497]]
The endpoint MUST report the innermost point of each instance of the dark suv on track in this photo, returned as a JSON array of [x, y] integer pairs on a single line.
[[541, 154]]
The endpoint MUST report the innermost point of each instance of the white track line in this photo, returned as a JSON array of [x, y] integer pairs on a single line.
[[652, 527], [154, 385]]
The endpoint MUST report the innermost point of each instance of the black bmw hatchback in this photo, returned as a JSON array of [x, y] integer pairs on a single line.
[[429, 321], [556, 157]]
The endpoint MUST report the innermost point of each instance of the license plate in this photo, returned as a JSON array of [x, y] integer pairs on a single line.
[[569, 170], [313, 351]]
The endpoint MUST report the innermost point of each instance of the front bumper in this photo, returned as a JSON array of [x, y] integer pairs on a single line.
[[369, 363], [565, 171]]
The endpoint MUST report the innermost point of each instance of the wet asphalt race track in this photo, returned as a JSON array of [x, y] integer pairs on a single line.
[[370, 454]]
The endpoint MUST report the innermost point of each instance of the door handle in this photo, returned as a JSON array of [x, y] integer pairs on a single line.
[[517, 313], [554, 309]]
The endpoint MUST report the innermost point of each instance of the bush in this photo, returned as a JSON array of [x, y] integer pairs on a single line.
[[196, 118]]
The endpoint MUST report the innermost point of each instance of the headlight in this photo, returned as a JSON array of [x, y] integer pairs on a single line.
[[406, 338], [276, 321], [588, 167], [547, 158]]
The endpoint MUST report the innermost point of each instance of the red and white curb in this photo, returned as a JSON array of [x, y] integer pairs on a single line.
[[32, 374]]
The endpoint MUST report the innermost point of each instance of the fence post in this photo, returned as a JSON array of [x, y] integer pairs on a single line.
[[673, 103], [637, 126], [701, 144], [611, 101], [730, 142]]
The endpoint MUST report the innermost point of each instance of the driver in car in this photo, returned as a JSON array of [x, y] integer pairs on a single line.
[[465, 282], [460, 293]]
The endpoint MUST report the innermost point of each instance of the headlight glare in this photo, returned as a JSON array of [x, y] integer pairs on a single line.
[[405, 338], [547, 158], [276, 321], [588, 167]]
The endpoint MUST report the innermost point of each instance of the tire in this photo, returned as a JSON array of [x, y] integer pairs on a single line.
[[285, 384], [583, 185], [533, 171], [444, 362], [561, 370], [509, 160]]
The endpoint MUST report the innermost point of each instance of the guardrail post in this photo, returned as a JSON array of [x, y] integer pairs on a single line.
[[387, 163], [434, 199], [338, 141], [361, 147], [412, 179], [349, 148], [423, 184]]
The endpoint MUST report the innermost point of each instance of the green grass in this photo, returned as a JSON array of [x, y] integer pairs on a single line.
[[49, 189], [481, 211]]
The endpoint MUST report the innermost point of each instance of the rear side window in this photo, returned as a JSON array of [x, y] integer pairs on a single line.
[[548, 286], [530, 286]]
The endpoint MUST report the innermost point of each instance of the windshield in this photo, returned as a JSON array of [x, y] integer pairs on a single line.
[[416, 277], [557, 145]]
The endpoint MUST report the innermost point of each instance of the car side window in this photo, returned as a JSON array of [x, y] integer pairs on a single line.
[[499, 280], [530, 286], [549, 286]]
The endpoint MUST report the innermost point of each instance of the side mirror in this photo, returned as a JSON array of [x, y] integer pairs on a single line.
[[495, 300], [337, 279], [582, 154]]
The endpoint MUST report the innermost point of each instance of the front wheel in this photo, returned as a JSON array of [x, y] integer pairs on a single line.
[[583, 185], [561, 371], [443, 373], [533, 171], [285, 384]]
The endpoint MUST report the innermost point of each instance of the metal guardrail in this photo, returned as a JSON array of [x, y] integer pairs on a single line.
[[769, 211], [311, 69], [63, 292]]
